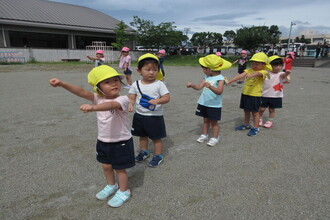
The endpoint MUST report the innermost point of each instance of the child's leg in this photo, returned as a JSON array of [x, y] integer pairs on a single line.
[[261, 111], [215, 128], [206, 125], [129, 79], [256, 117], [158, 146], [271, 113], [122, 179], [246, 117], [109, 174], [144, 143]]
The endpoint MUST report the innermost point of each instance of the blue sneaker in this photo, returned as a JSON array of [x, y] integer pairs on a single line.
[[143, 154], [242, 127], [156, 160], [253, 132], [119, 198], [107, 191]]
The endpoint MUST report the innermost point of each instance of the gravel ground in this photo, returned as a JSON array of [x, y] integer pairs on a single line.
[[49, 171]]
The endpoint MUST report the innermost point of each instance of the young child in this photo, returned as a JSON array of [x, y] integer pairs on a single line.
[[219, 54], [241, 64], [161, 56], [288, 64], [272, 92], [210, 102], [125, 64], [252, 91], [148, 122], [115, 150], [99, 59]]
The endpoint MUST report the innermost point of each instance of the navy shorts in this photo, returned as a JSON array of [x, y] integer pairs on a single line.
[[271, 102], [152, 127], [119, 154], [128, 72], [250, 103], [208, 112]]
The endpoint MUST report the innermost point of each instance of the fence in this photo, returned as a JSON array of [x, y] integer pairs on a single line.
[[12, 57]]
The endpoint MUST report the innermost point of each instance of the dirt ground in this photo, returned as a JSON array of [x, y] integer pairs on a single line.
[[49, 171]]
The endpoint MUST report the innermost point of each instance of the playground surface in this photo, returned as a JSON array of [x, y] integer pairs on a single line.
[[49, 171]]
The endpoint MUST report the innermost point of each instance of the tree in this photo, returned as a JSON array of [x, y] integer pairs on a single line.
[[156, 36], [204, 39], [230, 35], [253, 37], [121, 35]]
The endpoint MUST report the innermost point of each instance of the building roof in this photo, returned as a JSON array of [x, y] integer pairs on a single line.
[[42, 13]]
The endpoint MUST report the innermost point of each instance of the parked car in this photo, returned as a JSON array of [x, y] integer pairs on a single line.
[[142, 48]]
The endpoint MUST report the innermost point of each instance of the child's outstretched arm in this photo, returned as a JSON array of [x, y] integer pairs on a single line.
[[196, 87], [239, 76], [132, 98], [72, 88], [162, 100], [106, 106], [286, 74], [218, 90]]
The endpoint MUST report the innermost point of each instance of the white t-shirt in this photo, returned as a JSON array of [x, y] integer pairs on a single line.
[[273, 86], [113, 125], [154, 90]]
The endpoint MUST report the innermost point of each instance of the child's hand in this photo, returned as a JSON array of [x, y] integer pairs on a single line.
[[189, 85], [207, 85], [87, 108], [55, 82], [153, 101], [130, 107]]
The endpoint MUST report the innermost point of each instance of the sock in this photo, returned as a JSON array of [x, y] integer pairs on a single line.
[[271, 119]]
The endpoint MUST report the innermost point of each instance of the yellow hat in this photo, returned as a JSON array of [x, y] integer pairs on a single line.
[[214, 62], [100, 73], [262, 58], [151, 56], [272, 58]]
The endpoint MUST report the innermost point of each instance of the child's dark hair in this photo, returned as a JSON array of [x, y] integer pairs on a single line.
[[147, 61], [277, 62]]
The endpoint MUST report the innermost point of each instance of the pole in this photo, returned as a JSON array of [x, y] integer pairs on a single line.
[[290, 34]]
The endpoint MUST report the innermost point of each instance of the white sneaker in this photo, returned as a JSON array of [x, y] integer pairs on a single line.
[[202, 138], [212, 142]]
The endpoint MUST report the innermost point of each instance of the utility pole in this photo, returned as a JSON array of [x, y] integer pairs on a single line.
[[186, 30], [292, 23]]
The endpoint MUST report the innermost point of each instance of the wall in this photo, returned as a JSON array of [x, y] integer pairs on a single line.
[[56, 55]]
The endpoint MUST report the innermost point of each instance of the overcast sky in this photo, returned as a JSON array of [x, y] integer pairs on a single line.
[[220, 15]]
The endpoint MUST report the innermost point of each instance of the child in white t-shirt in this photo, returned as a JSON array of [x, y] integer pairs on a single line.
[[149, 94], [272, 92], [115, 149]]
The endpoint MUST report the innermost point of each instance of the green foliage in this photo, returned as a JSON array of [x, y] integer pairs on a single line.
[[302, 40], [203, 39], [252, 37], [230, 35], [156, 36], [121, 35]]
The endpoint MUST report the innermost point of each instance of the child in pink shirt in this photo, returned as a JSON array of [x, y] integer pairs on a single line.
[[115, 149], [125, 64]]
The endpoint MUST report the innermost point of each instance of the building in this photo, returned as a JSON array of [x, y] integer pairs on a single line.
[[310, 35], [47, 24]]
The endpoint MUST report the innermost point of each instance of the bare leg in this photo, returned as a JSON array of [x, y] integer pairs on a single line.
[[122, 179], [129, 79], [261, 111], [158, 146], [256, 118], [271, 112], [144, 143], [109, 174], [215, 128], [206, 125], [246, 117]]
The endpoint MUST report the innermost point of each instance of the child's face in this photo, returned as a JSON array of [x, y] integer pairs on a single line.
[[257, 66], [125, 53], [207, 71], [277, 68], [149, 72], [98, 55], [110, 87], [243, 54]]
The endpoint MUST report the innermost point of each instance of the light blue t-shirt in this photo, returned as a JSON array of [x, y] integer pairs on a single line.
[[209, 98]]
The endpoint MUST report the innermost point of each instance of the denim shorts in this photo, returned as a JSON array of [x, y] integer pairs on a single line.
[[119, 154]]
